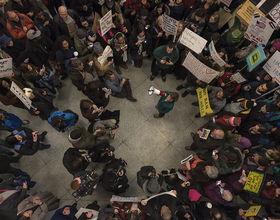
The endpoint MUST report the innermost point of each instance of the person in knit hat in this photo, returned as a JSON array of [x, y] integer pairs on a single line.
[[82, 44], [80, 138], [4, 40], [227, 121]]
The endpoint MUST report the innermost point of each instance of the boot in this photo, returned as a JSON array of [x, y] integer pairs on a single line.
[[118, 70], [136, 63], [140, 63]]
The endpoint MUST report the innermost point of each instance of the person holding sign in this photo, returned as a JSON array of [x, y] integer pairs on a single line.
[[165, 57], [158, 36]]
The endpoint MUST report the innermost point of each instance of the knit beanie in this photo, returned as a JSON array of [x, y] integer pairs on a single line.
[[153, 185], [234, 121], [194, 195], [81, 33], [276, 44], [244, 143], [249, 104], [213, 172], [98, 48], [4, 40]]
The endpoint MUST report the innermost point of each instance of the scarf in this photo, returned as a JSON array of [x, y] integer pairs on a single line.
[[119, 46], [140, 46]]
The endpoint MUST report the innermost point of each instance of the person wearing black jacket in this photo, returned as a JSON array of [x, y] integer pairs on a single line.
[[44, 23], [5, 164], [102, 153], [26, 142], [82, 7]]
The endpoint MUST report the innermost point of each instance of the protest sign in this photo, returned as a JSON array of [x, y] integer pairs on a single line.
[[161, 194], [203, 101], [199, 70], [238, 77], [246, 12], [265, 5], [275, 14], [20, 94], [193, 41], [254, 182], [256, 58], [6, 67], [106, 53], [260, 29], [226, 2], [82, 210], [169, 24], [106, 22], [253, 210], [215, 56], [205, 133], [272, 67], [127, 199]]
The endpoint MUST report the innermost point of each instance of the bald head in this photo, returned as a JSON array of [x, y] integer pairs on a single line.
[[227, 196], [63, 12], [218, 134]]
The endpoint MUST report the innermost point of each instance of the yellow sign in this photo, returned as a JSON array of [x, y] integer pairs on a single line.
[[253, 210], [254, 182], [203, 100], [245, 13]]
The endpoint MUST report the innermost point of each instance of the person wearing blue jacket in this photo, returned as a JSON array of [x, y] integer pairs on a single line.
[[62, 121], [66, 213], [10, 120]]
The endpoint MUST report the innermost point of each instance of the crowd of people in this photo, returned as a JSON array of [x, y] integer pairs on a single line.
[[49, 44]]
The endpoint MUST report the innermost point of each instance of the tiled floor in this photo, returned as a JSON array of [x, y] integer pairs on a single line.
[[141, 139]]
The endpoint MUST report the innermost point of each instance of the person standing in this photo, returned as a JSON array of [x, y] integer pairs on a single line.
[[166, 103]]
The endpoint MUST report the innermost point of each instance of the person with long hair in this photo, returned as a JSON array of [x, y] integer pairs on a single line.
[[160, 9], [122, 25]]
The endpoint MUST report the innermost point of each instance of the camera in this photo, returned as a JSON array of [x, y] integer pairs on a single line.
[[167, 59]]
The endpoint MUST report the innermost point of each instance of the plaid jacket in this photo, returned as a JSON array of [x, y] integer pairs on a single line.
[[136, 5]]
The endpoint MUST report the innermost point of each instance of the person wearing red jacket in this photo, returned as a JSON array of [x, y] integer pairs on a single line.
[[227, 82]]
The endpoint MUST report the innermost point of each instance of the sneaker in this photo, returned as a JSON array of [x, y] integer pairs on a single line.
[[188, 148], [17, 158], [156, 116], [124, 66], [163, 79], [44, 133], [47, 146], [197, 115], [185, 94], [11, 153], [118, 70], [130, 98], [152, 77], [179, 87]]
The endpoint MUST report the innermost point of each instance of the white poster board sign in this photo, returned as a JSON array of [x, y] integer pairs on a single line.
[[215, 56], [127, 199], [20, 94], [193, 41], [106, 53], [106, 22], [6, 67], [260, 29], [275, 14], [161, 194], [272, 66], [169, 24], [239, 78], [82, 210], [226, 2], [199, 70]]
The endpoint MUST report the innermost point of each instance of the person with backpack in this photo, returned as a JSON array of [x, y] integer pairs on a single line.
[[62, 121]]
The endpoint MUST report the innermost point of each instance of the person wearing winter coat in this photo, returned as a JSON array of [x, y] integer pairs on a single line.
[[36, 207], [106, 213], [80, 138], [82, 7], [96, 94], [196, 21], [62, 121], [66, 213], [10, 120], [228, 121], [5, 164]]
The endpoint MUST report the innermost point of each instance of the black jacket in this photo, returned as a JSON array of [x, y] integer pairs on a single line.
[[142, 175], [147, 44], [77, 5], [60, 27]]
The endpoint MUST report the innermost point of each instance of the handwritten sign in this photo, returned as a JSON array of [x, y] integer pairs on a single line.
[[193, 41], [199, 70], [260, 29], [203, 100], [238, 77], [161, 194], [253, 210], [82, 210], [169, 24], [215, 56], [20, 94], [256, 58], [127, 199], [272, 67], [106, 53], [247, 11], [254, 182], [6, 67], [275, 14], [106, 22], [226, 2], [205, 133]]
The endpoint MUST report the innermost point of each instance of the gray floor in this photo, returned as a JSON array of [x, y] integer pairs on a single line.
[[141, 139]]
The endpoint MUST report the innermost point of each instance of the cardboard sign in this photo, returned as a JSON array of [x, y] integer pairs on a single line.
[[127, 199], [275, 14], [256, 58], [272, 67], [20, 94], [215, 56], [260, 29], [193, 41], [238, 77], [254, 182], [106, 23], [6, 67], [265, 5], [169, 24], [253, 210], [203, 100], [106, 53], [199, 70], [82, 210], [226, 2], [205, 133], [246, 12]]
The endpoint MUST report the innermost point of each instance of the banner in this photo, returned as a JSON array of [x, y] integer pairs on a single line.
[[160, 194], [253, 210], [106, 53], [127, 199], [260, 29], [20, 94], [272, 67], [106, 22], [246, 12], [6, 67], [169, 24], [254, 182], [203, 100], [193, 41], [255, 58], [238, 77], [275, 14], [215, 56], [226, 2], [82, 210], [199, 70]]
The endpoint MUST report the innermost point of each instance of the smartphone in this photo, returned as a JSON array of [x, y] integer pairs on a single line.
[[219, 182], [205, 49], [214, 120], [213, 153], [91, 45], [272, 182], [97, 127]]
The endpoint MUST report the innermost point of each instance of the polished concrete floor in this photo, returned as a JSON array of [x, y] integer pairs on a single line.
[[140, 140]]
